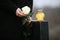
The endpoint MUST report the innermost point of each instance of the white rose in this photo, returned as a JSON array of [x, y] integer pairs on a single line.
[[26, 10]]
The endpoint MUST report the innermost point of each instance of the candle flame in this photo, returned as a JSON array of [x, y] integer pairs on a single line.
[[40, 16]]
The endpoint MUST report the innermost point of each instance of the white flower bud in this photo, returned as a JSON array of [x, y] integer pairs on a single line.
[[26, 10]]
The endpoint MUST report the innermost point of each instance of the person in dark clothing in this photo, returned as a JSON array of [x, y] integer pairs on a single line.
[[11, 17]]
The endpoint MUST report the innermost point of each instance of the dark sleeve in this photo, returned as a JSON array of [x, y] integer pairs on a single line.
[[30, 4], [7, 5]]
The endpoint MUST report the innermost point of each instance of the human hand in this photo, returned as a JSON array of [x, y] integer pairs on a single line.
[[19, 13], [29, 20]]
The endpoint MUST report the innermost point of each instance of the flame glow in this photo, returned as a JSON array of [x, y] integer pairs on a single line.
[[40, 16]]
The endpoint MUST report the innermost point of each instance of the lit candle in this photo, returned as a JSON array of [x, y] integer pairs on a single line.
[[40, 15]]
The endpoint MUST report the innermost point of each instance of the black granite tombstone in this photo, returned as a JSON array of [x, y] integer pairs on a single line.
[[40, 30]]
